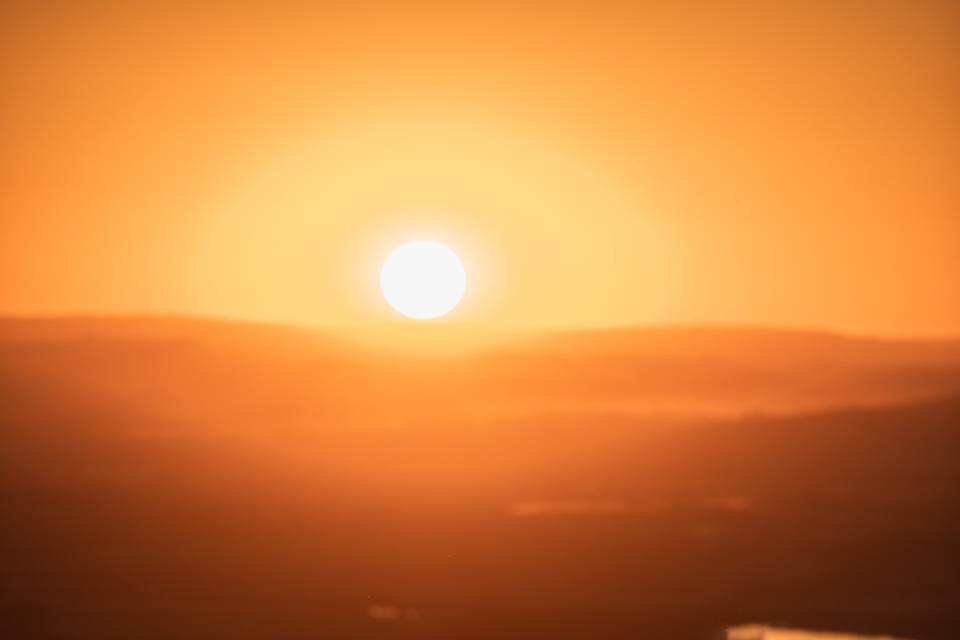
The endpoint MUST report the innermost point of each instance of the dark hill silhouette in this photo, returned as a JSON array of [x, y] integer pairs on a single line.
[[168, 478]]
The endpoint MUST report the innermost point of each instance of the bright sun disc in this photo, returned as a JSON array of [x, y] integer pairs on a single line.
[[423, 280]]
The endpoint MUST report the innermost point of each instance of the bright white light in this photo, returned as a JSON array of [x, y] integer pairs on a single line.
[[423, 280]]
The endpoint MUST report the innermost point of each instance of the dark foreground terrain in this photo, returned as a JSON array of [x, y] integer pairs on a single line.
[[179, 479]]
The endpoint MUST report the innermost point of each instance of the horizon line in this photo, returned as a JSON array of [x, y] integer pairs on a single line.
[[447, 325]]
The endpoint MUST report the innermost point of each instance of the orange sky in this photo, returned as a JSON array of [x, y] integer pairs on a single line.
[[594, 164]]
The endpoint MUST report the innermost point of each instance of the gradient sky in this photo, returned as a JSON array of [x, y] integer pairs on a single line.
[[594, 164]]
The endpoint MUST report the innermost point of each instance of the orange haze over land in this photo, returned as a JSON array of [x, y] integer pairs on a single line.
[[472, 321], [593, 164]]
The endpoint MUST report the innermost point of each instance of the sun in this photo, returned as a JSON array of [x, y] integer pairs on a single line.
[[423, 279]]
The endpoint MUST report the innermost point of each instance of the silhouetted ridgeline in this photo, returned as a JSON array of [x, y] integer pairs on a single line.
[[188, 364], [186, 478]]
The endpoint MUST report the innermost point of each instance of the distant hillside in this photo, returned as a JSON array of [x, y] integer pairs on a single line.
[[219, 369], [161, 489], [731, 343]]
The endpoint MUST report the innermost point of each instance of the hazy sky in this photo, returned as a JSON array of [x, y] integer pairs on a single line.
[[596, 163]]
